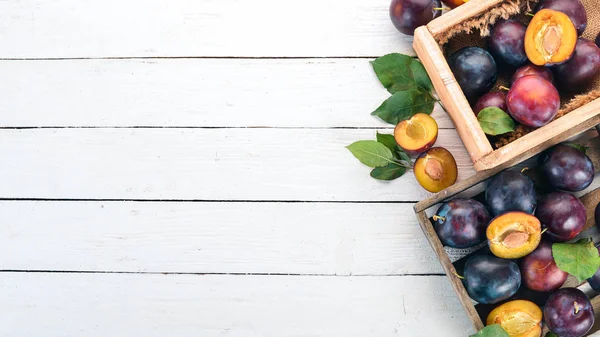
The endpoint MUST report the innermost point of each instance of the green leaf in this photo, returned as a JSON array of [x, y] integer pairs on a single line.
[[577, 146], [551, 334], [371, 153], [494, 121], [388, 172], [388, 140], [403, 105], [494, 330], [398, 72], [579, 259]]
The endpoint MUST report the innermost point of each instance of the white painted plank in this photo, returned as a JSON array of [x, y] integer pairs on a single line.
[[282, 238], [193, 92], [117, 28], [203, 164], [102, 305]]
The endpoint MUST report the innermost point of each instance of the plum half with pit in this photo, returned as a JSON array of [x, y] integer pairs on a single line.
[[550, 38], [562, 214], [574, 9], [567, 167], [475, 71], [491, 99], [435, 169], [569, 313], [461, 223], [533, 101], [580, 72], [489, 279], [539, 270], [507, 42], [407, 15], [513, 235], [510, 191]]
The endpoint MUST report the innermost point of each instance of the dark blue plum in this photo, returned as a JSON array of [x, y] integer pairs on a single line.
[[569, 313], [461, 223], [510, 191], [475, 71], [562, 214], [489, 279], [567, 168], [507, 43]]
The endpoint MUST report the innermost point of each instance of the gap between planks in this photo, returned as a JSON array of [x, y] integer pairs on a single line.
[[36, 271]]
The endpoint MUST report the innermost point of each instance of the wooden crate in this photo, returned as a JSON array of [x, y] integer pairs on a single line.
[[473, 187], [480, 149]]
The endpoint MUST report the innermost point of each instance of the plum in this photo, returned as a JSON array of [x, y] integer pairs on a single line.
[[598, 40], [580, 72], [540, 272], [594, 281], [489, 279], [569, 313], [475, 71], [533, 101], [491, 99], [510, 191], [416, 134], [461, 223], [513, 235], [574, 9], [567, 168], [435, 169], [550, 38], [519, 318], [562, 214], [507, 42], [407, 15], [532, 69]]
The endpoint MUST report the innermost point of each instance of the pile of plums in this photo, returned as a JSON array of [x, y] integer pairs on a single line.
[[545, 57], [407, 15], [519, 225]]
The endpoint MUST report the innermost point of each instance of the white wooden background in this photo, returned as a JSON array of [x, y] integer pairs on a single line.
[[177, 168]]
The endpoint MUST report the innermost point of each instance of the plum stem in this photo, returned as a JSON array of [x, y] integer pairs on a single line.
[[441, 8], [576, 307], [524, 169], [456, 274], [437, 217], [544, 231], [504, 88]]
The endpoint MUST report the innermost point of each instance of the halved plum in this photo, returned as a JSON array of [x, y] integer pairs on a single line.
[[436, 169], [513, 235], [519, 318], [550, 38], [417, 134]]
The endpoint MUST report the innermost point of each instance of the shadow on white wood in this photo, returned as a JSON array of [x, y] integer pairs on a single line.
[[200, 164], [274, 28], [193, 92], [100, 305]]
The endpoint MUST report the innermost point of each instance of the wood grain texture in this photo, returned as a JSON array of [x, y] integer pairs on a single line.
[[450, 93], [280, 238], [200, 164], [193, 93], [155, 28], [215, 305]]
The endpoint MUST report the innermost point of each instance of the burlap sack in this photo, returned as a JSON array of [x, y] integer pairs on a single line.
[[473, 32]]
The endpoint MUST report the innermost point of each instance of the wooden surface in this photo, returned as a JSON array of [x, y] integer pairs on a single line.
[[177, 168]]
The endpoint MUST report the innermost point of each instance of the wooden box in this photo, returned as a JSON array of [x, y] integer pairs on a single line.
[[452, 260], [473, 19]]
